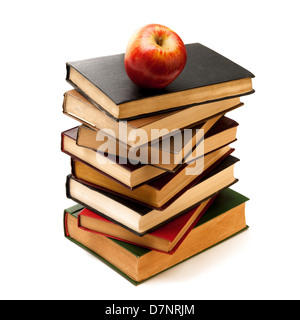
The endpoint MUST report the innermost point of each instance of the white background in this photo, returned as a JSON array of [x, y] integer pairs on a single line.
[[37, 38]]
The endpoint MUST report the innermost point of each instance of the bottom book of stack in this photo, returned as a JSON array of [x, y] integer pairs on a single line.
[[219, 218]]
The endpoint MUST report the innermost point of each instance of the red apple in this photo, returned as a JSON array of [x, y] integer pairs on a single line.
[[154, 57]]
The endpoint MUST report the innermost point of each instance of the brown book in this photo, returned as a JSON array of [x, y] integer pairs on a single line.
[[223, 219], [142, 219], [79, 108], [223, 133], [158, 193], [218, 134], [165, 239], [129, 175], [167, 154]]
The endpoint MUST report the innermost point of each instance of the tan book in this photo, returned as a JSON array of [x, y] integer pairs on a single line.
[[163, 154], [224, 218], [79, 108], [127, 174], [158, 193], [165, 239], [142, 219]]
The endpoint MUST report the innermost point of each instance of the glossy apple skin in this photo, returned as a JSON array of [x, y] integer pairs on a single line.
[[154, 57]]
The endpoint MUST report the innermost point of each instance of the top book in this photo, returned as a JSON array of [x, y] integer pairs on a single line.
[[207, 76]]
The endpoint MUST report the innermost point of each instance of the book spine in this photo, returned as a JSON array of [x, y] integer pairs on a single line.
[[67, 72], [68, 195], [66, 232]]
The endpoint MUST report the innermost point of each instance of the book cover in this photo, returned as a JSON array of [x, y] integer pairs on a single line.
[[157, 184], [80, 109], [133, 175], [227, 200], [176, 153], [138, 210], [172, 232], [204, 67]]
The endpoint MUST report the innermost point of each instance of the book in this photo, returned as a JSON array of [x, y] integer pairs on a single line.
[[223, 219], [217, 132], [127, 174], [79, 108], [165, 239], [207, 76], [222, 134], [158, 193], [141, 219], [171, 148]]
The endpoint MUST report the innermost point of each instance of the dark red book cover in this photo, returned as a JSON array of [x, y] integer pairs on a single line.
[[168, 231]]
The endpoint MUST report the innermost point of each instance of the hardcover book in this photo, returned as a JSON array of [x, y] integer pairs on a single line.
[[172, 147], [79, 108], [208, 76], [217, 132], [223, 219], [157, 194], [141, 219], [129, 175], [223, 133], [132, 176], [165, 239]]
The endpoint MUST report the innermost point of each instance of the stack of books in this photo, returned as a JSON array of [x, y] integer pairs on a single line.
[[151, 170]]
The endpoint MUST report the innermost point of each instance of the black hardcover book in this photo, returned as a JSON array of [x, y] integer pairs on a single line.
[[207, 76]]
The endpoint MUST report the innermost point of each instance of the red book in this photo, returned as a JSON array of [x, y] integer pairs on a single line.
[[165, 239]]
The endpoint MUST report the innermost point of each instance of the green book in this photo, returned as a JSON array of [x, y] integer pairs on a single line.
[[224, 219]]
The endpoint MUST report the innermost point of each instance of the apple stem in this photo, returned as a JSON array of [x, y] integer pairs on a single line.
[[159, 40]]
